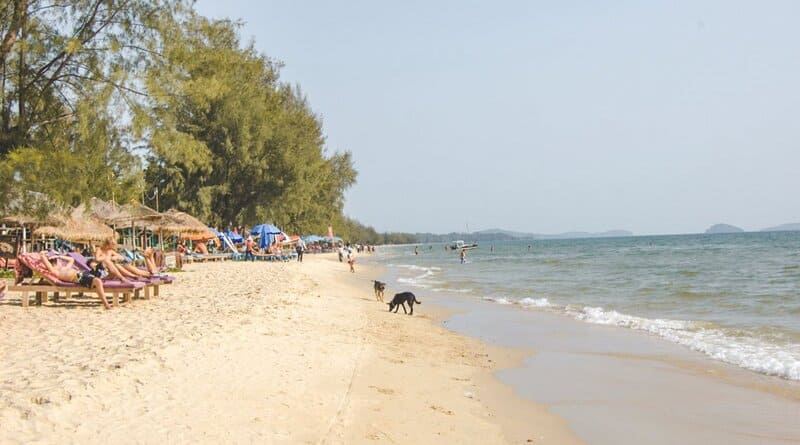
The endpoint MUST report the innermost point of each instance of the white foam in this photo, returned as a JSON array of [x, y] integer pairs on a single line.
[[498, 300], [421, 280], [455, 291], [746, 352], [534, 302], [525, 302]]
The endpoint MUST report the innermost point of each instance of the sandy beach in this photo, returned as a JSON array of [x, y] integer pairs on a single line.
[[259, 352]]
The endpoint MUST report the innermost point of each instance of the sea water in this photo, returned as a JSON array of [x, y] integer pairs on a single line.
[[733, 297]]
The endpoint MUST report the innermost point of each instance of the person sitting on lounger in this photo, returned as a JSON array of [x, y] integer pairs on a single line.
[[117, 265], [150, 261], [66, 272], [201, 248]]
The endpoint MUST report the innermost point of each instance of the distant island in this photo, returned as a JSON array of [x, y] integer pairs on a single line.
[[723, 228], [791, 227], [501, 235]]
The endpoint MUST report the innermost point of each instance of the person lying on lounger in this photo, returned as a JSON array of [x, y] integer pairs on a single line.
[[66, 272], [117, 265]]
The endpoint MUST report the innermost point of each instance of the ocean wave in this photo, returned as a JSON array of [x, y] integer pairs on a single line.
[[535, 302], [745, 352], [525, 302], [422, 280], [498, 300], [452, 290]]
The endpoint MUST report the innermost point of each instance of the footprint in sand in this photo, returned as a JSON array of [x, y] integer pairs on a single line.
[[387, 391], [442, 410]]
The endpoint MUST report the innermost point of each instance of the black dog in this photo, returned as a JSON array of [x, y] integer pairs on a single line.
[[378, 287], [401, 299]]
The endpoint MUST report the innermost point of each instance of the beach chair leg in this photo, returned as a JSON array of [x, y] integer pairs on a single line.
[[146, 292], [115, 299], [68, 295], [127, 297], [24, 298], [39, 298], [155, 290], [56, 297]]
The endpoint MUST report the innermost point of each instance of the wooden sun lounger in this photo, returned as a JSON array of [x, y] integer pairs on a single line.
[[43, 287], [155, 282], [202, 258]]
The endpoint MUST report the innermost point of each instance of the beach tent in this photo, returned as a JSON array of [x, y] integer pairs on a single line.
[[267, 233]]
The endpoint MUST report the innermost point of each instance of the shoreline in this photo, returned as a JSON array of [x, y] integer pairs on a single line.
[[257, 352], [595, 375]]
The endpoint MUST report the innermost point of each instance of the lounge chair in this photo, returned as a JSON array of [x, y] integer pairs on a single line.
[[30, 263], [82, 263]]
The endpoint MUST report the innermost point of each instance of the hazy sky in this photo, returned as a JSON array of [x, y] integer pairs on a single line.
[[656, 117]]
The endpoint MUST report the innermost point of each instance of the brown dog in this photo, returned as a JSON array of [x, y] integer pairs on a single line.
[[378, 287]]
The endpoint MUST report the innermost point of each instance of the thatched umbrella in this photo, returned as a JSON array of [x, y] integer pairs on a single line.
[[187, 226], [29, 210], [77, 226], [110, 212], [127, 215]]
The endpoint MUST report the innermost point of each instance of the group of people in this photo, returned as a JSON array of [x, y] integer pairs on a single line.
[[350, 251], [107, 262], [250, 248]]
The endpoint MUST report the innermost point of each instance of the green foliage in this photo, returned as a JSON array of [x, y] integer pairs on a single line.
[[68, 72], [110, 98], [231, 144]]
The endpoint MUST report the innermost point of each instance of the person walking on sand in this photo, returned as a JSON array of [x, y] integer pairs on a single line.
[[463, 256], [300, 248], [352, 262], [341, 253]]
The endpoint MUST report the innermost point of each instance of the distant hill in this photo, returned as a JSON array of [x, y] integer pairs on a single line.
[[502, 234], [723, 228], [791, 227]]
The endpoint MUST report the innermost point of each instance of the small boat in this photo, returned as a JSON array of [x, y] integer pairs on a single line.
[[460, 245]]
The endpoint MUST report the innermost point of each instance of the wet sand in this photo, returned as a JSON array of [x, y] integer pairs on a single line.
[[256, 353], [617, 386]]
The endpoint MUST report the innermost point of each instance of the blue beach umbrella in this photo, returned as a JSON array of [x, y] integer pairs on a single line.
[[216, 232], [313, 238], [235, 237], [267, 233]]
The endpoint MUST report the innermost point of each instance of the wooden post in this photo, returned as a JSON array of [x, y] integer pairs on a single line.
[[24, 298], [115, 298]]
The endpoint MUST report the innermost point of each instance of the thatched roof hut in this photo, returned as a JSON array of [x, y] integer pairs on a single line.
[[186, 226], [78, 226], [115, 214]]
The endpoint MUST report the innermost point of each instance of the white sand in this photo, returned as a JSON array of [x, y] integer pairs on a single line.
[[240, 352]]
